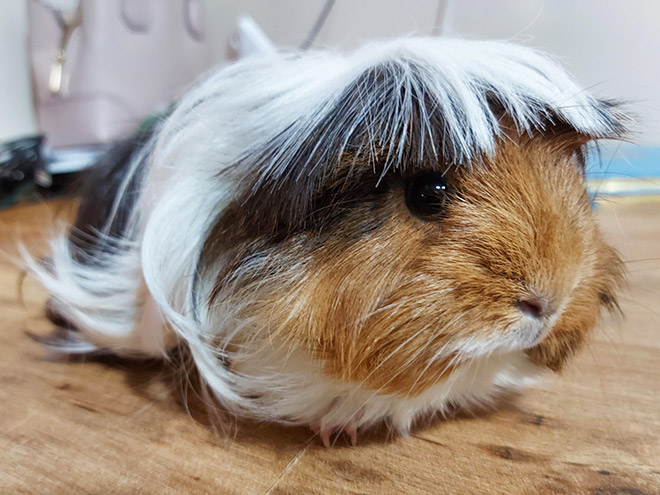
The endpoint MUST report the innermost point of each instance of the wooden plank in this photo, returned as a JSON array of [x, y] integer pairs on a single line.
[[119, 428]]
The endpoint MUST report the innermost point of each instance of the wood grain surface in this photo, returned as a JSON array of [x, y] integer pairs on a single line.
[[120, 427]]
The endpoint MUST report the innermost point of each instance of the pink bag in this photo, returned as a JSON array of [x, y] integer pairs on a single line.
[[102, 68]]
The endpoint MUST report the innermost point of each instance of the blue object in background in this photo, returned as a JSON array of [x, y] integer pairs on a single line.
[[625, 169]]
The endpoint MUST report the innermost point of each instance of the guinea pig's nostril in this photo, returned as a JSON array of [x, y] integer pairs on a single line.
[[533, 307]]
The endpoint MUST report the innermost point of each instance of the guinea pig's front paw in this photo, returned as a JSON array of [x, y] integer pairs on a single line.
[[326, 433]]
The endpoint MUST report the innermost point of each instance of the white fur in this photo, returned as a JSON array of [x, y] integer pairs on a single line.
[[256, 114], [300, 393]]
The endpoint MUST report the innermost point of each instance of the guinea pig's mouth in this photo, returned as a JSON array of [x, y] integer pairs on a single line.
[[536, 316], [525, 333], [533, 329], [526, 338]]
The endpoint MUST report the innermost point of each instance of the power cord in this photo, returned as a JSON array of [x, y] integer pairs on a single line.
[[318, 25]]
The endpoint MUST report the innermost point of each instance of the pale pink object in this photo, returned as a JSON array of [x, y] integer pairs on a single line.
[[126, 60]]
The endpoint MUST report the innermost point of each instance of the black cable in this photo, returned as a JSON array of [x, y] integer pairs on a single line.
[[311, 37]]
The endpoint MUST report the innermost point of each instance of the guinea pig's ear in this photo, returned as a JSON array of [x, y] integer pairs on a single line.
[[563, 139]]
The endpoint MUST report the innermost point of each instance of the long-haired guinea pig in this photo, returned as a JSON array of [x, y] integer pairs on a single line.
[[344, 240]]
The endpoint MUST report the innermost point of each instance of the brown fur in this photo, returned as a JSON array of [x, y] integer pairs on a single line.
[[376, 293]]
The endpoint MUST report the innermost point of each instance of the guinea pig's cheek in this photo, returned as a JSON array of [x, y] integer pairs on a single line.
[[341, 314]]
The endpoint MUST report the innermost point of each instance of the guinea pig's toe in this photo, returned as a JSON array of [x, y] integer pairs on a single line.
[[326, 433], [351, 431]]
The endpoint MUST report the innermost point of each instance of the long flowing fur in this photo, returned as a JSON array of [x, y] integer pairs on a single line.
[[268, 133]]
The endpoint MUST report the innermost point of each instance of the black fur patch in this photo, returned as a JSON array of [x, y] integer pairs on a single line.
[[98, 189]]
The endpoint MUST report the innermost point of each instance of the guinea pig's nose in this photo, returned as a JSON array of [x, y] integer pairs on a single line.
[[536, 307]]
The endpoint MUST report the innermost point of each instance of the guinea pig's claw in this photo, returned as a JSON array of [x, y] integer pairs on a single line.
[[351, 431], [324, 433], [325, 437]]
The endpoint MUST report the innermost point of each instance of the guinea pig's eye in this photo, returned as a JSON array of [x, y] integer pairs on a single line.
[[426, 194]]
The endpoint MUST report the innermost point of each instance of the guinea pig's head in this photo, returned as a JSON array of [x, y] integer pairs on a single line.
[[396, 265]]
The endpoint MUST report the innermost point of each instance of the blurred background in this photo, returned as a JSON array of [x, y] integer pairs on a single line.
[[77, 75]]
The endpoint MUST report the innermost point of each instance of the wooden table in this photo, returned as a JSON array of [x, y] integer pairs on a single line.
[[119, 428]]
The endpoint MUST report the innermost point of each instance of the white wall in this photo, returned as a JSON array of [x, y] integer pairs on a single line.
[[16, 116], [611, 46], [350, 22]]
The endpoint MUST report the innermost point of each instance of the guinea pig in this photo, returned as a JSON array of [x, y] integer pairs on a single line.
[[343, 240]]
